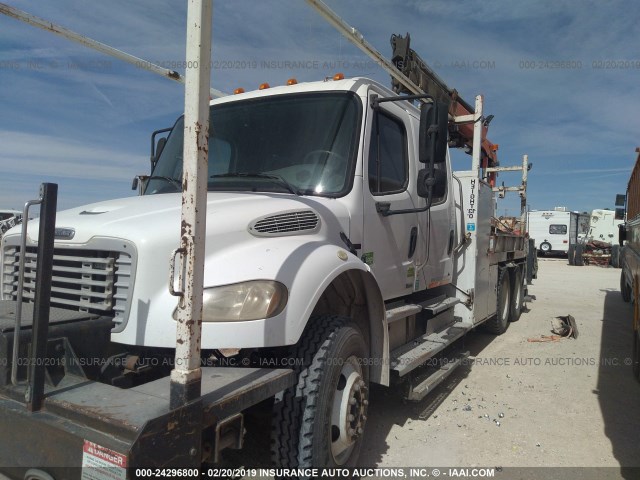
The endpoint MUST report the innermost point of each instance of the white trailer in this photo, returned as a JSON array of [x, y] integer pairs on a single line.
[[603, 226], [554, 231]]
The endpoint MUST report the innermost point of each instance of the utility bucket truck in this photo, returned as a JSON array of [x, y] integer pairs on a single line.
[[340, 250]]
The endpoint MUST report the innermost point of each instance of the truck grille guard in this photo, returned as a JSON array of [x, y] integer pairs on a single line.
[[96, 280]]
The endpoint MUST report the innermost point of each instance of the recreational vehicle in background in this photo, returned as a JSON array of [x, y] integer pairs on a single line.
[[603, 226], [553, 231]]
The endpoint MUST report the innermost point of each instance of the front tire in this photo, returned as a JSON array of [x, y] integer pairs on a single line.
[[636, 354], [578, 260], [320, 421], [615, 256], [625, 289], [571, 254]]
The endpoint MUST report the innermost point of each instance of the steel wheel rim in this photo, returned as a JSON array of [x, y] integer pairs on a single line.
[[517, 293], [348, 413]]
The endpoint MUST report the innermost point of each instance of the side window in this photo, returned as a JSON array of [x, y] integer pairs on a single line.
[[558, 229], [388, 170]]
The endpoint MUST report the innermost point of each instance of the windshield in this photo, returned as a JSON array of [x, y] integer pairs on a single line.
[[296, 144]]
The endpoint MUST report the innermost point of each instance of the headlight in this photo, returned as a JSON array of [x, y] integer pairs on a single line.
[[252, 300]]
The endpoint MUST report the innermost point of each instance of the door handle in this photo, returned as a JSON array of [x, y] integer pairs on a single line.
[[413, 241]]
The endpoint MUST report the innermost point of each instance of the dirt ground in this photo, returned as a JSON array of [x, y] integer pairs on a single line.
[[568, 403]]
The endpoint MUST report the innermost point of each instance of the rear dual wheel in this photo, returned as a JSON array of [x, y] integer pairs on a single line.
[[500, 321], [517, 294], [510, 300]]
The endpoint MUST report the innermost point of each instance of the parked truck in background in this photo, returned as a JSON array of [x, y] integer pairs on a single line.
[[629, 240], [340, 246], [9, 219]]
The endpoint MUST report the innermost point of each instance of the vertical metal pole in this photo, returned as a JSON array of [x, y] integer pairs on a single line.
[[42, 302], [477, 136], [523, 195], [186, 375], [23, 256]]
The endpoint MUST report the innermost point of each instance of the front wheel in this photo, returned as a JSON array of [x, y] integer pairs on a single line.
[[615, 256], [320, 421], [578, 259], [625, 289], [636, 354]]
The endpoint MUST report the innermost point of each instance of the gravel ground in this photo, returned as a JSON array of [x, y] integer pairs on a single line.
[[568, 403]]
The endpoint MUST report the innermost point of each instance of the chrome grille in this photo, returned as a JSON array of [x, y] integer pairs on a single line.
[[94, 281], [287, 223]]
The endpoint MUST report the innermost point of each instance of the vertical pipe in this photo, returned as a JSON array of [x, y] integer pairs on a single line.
[[186, 375], [523, 195], [23, 255], [42, 302], [477, 137]]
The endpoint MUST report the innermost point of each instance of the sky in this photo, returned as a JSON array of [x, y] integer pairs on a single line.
[[561, 77]]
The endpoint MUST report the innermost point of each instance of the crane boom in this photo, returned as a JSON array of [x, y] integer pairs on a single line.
[[94, 44], [418, 71], [410, 74]]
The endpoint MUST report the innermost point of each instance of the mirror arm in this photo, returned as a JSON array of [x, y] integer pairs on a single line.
[[376, 100]]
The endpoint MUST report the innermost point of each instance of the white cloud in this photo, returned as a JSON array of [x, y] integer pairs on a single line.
[[32, 154], [92, 122]]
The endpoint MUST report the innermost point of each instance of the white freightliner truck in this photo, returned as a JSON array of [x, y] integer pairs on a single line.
[[339, 242]]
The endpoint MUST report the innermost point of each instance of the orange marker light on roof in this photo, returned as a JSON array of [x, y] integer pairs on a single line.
[[238, 90], [338, 76], [292, 81], [495, 147], [263, 86]]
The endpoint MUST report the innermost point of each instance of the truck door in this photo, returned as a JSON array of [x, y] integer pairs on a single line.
[[396, 245]]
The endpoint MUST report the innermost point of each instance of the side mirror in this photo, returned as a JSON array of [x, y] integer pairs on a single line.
[[434, 128], [619, 215], [139, 183], [437, 183], [159, 147], [620, 200], [156, 148], [622, 234]]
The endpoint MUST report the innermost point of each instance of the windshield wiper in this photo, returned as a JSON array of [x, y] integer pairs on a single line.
[[269, 176], [173, 181]]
